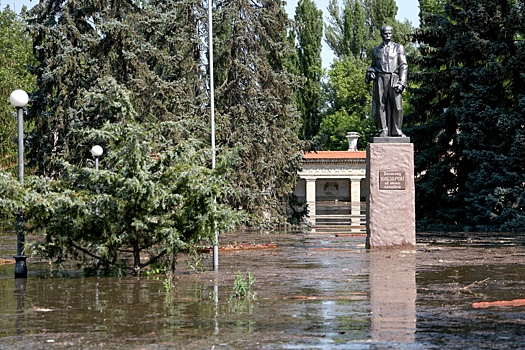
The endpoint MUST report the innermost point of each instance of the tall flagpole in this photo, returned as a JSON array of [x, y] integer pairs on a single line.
[[212, 121]]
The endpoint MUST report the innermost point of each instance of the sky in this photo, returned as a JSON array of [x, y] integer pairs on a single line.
[[406, 9], [16, 5]]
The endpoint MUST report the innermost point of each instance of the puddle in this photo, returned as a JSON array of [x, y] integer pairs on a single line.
[[315, 291]]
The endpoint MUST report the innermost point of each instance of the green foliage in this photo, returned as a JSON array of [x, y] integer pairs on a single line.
[[257, 124], [334, 128], [309, 29], [381, 12], [168, 285], [346, 33], [11, 195], [354, 28], [96, 61], [145, 62], [15, 56], [349, 99], [468, 121], [344, 91], [150, 201], [196, 263], [242, 288], [291, 58], [130, 76], [297, 211], [430, 8]]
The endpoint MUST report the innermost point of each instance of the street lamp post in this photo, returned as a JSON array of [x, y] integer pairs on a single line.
[[96, 151], [212, 122], [19, 100]]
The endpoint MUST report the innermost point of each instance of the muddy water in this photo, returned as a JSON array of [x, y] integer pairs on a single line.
[[315, 291]]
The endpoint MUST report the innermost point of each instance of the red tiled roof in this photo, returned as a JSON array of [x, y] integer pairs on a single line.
[[335, 155]]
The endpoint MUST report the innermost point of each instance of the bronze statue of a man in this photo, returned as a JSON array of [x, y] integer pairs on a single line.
[[389, 74]]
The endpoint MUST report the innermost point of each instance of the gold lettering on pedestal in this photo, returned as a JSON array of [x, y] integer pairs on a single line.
[[392, 180]]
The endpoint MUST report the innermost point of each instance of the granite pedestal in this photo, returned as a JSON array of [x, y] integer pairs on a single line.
[[390, 205]]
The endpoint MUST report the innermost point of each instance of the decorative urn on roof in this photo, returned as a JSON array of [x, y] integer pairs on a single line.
[[352, 140]]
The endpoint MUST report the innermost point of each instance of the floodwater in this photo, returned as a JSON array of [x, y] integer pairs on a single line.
[[314, 291]]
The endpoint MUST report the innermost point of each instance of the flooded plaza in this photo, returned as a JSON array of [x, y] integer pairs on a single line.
[[315, 290]]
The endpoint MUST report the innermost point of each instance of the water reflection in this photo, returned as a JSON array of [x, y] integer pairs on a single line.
[[393, 296], [20, 294], [216, 302]]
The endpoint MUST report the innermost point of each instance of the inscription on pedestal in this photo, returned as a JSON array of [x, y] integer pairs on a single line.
[[392, 180]]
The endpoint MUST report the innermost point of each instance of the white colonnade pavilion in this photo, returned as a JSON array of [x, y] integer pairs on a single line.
[[331, 178]]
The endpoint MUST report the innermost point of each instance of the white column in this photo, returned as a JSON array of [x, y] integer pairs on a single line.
[[355, 198], [310, 198]]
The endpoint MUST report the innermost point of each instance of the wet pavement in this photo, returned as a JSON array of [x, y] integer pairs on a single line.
[[315, 291]]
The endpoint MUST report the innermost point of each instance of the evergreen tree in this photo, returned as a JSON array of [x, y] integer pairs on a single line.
[[430, 8], [150, 200], [89, 53], [126, 75], [309, 28], [468, 122], [12, 194], [100, 60], [257, 124]]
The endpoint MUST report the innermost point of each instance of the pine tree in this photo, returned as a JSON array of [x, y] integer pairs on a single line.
[[126, 75], [468, 118], [257, 125], [430, 8], [91, 53], [150, 200], [98, 61]]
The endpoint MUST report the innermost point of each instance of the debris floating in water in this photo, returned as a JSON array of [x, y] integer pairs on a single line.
[[500, 303]]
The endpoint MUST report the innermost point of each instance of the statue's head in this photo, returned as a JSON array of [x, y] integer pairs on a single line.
[[386, 32]]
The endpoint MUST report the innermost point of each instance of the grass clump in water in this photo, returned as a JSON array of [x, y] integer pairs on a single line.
[[242, 287]]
